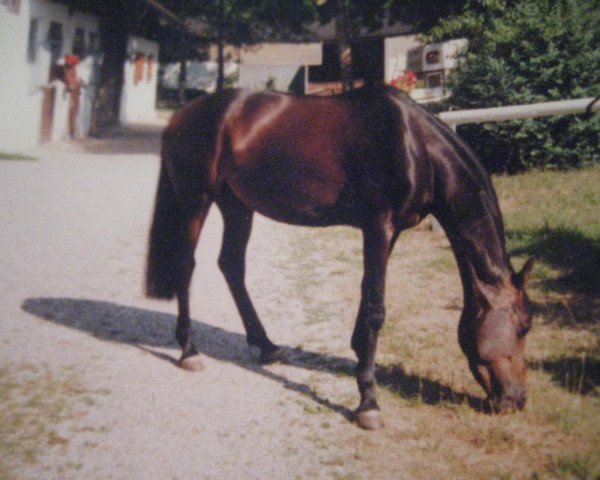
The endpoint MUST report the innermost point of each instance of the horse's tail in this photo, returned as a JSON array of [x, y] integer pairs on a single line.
[[166, 243]]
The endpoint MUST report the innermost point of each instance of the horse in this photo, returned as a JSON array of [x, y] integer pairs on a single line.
[[371, 159]]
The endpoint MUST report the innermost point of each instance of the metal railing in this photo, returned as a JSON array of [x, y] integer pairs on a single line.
[[516, 112]]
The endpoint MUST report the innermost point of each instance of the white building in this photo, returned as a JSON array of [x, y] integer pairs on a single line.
[[34, 35], [279, 66], [138, 98], [201, 76], [51, 57], [432, 63]]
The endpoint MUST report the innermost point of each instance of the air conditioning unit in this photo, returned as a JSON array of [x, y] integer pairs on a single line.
[[434, 80], [442, 56]]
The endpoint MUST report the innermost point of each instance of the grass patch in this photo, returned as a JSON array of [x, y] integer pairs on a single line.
[[577, 467], [35, 401], [554, 216], [423, 376], [15, 156]]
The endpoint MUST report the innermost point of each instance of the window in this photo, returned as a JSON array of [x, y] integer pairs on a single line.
[[432, 57], [79, 43], [32, 41], [150, 68], [94, 42], [55, 41], [434, 80]]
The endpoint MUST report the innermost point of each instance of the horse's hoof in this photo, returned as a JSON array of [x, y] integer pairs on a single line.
[[273, 356], [369, 420], [192, 363]]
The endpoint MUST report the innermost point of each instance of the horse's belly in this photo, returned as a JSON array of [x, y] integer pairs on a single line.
[[294, 196]]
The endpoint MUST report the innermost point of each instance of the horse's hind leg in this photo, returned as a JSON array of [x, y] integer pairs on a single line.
[[190, 232], [237, 220]]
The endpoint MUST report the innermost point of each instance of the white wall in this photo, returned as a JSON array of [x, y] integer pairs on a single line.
[[138, 100], [21, 80], [397, 52], [20, 105], [256, 77]]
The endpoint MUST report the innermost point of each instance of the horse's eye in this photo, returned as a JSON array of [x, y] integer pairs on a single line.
[[523, 322]]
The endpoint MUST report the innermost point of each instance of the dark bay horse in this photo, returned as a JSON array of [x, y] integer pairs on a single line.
[[371, 159]]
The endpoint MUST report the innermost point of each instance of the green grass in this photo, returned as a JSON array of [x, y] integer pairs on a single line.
[[576, 466], [15, 156], [423, 375], [555, 216]]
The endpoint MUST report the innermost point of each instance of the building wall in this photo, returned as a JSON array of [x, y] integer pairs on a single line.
[[402, 53], [20, 103], [283, 78], [26, 56], [138, 98], [280, 66], [406, 53]]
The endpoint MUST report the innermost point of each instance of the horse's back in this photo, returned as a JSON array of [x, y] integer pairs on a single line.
[[308, 160], [285, 156], [319, 161]]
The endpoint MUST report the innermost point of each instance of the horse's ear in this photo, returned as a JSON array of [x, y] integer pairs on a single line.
[[519, 279]]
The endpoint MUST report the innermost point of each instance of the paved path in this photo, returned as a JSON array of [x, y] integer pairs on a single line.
[[72, 247]]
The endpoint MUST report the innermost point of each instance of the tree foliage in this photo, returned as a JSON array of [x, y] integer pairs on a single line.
[[522, 52]]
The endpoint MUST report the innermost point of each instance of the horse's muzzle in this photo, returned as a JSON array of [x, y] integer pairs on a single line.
[[510, 401]]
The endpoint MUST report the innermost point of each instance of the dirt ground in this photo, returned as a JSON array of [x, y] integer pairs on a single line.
[[74, 228]]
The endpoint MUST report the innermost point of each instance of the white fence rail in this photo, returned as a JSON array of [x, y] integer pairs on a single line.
[[498, 114]]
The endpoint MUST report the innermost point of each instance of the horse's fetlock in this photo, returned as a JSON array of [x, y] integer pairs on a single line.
[[377, 321], [376, 317], [183, 333]]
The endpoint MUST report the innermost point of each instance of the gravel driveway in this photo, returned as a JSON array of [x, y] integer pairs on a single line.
[[74, 227]]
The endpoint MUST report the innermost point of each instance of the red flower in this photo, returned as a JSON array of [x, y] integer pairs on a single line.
[[71, 60], [406, 81]]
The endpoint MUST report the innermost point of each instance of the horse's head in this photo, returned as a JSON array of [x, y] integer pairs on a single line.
[[493, 338]]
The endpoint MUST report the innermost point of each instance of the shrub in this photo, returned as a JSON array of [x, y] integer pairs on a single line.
[[521, 52]]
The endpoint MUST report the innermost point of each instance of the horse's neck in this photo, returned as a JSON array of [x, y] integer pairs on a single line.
[[476, 233], [464, 202]]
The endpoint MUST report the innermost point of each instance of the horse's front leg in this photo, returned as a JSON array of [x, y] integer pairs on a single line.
[[378, 237]]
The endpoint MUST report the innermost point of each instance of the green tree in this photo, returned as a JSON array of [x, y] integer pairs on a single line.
[[523, 52]]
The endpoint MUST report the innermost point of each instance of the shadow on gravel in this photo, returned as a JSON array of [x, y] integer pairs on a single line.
[[146, 329]]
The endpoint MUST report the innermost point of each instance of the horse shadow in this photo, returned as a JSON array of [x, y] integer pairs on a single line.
[[150, 330], [577, 257]]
